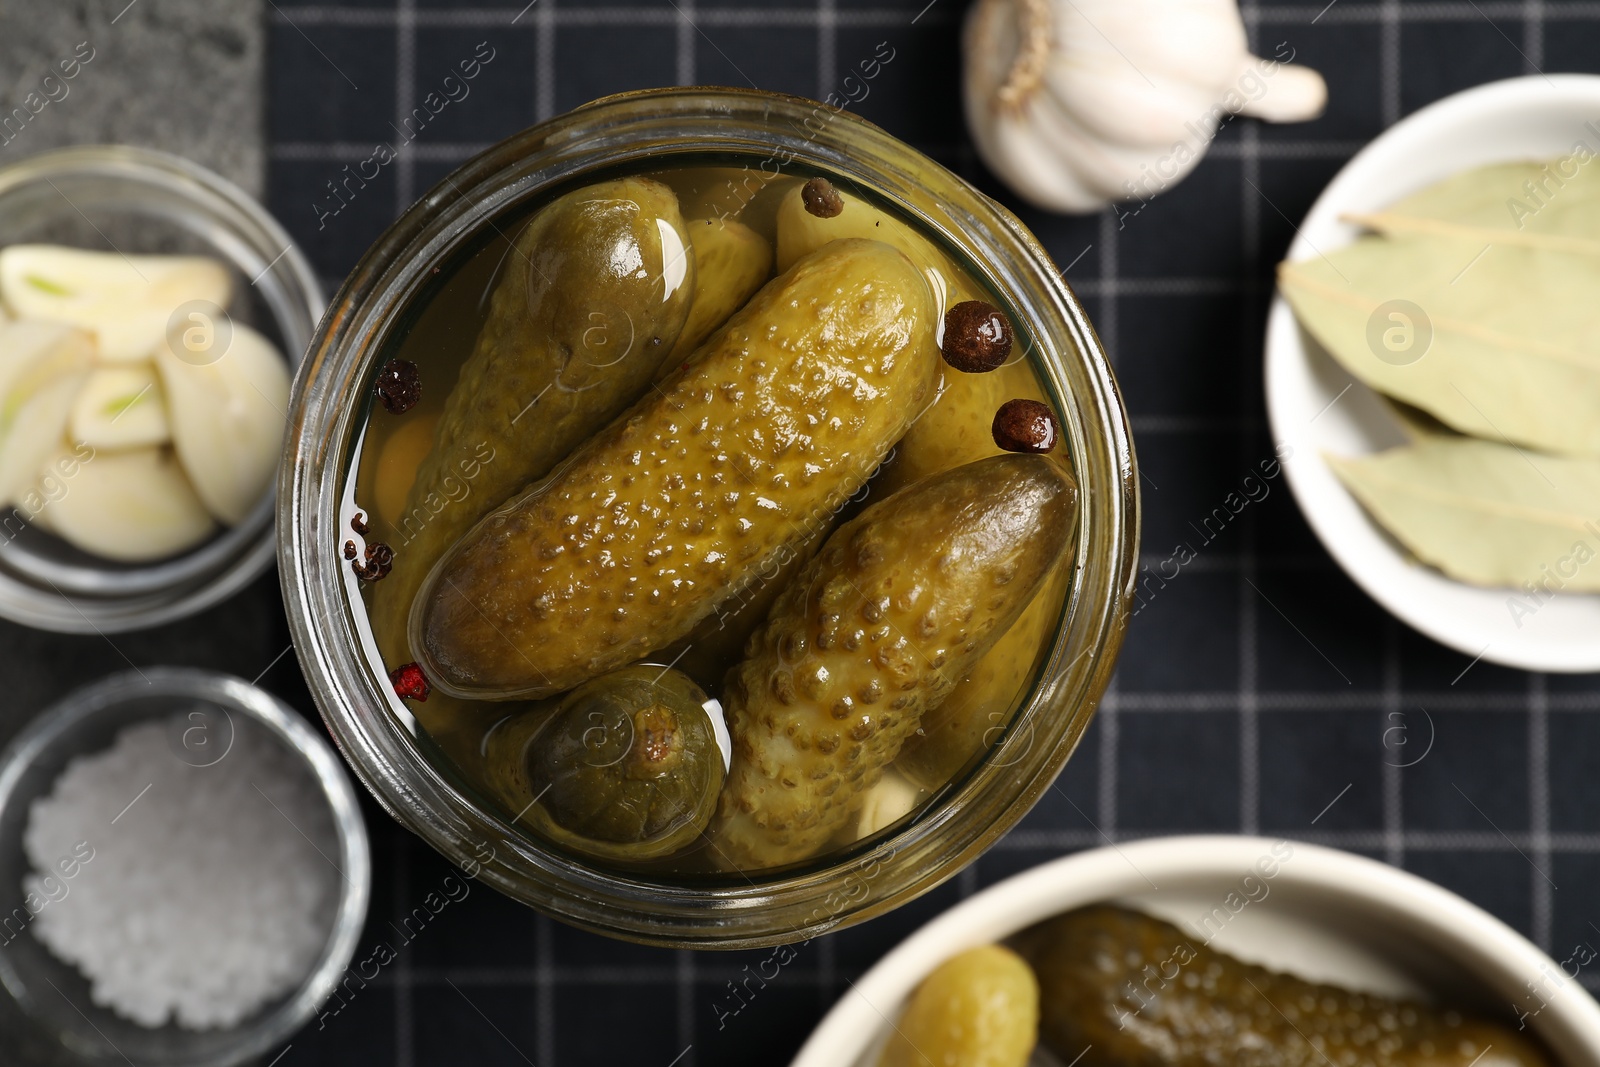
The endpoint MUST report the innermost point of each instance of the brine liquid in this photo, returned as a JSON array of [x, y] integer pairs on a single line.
[[439, 335]]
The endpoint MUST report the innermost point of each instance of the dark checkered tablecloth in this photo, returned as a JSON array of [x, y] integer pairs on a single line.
[[1260, 691]]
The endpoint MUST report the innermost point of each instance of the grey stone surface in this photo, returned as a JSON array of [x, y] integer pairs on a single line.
[[181, 75]]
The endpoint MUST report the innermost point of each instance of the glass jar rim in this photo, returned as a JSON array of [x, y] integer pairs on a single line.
[[643, 128]]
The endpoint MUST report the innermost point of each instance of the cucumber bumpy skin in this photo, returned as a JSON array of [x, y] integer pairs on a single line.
[[975, 715], [1136, 990], [896, 608], [956, 430], [779, 419], [590, 302]]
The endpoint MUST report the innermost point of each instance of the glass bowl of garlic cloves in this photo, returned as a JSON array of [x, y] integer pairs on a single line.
[[151, 316], [706, 519]]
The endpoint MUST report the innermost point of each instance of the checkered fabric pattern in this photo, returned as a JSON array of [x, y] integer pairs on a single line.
[[1260, 691]]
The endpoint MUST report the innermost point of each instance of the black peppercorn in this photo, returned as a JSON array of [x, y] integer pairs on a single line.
[[398, 387], [1025, 426], [977, 337], [821, 198]]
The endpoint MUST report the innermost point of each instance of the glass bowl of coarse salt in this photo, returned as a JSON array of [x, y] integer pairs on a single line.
[[184, 871]]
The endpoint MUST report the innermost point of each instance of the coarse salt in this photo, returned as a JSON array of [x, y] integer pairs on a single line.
[[211, 889]]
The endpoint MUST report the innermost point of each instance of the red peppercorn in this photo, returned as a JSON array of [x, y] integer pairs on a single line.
[[410, 683], [1025, 426], [977, 337], [358, 523]]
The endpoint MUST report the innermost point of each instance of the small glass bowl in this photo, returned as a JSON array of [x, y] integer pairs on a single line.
[[137, 201], [54, 994], [642, 131]]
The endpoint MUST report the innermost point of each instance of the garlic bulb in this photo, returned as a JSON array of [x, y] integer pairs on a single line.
[[1076, 103]]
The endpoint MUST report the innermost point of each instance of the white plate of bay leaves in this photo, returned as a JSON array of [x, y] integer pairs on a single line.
[[1439, 394]]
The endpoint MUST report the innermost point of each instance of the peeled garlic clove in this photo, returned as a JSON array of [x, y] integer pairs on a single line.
[[32, 353], [892, 799], [125, 301], [1076, 103], [42, 367], [227, 419], [132, 506], [34, 434], [121, 407], [52, 482], [41, 517]]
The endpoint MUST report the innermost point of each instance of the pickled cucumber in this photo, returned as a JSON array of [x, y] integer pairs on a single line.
[[628, 545], [1136, 990], [978, 1009], [625, 767], [720, 192], [974, 716], [760, 213], [800, 233], [899, 604], [719, 638], [591, 299], [731, 262], [954, 431]]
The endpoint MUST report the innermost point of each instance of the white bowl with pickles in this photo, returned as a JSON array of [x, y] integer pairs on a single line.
[[1433, 371], [1214, 949]]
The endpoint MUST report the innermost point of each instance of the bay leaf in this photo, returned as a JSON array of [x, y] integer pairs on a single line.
[[1505, 340], [1554, 204], [1486, 513], [1415, 423]]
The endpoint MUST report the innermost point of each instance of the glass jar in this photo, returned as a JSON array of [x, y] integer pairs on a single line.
[[55, 994], [390, 753], [139, 201]]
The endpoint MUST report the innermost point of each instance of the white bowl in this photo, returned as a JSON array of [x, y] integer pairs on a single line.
[[1325, 915], [1537, 117]]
